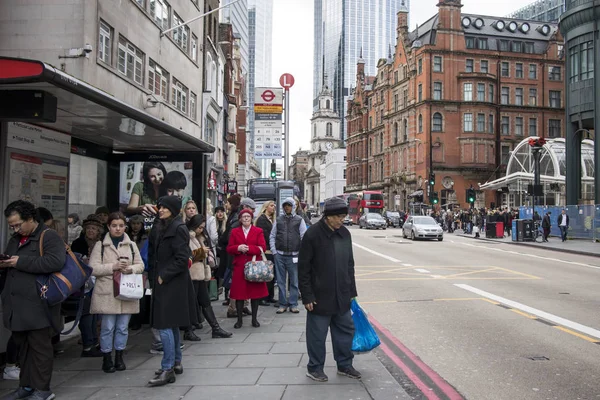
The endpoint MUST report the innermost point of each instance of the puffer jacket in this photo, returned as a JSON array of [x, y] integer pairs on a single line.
[[103, 299], [200, 270]]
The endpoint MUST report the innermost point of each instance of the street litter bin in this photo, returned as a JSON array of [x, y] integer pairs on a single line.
[[499, 229], [490, 230], [515, 230], [528, 230]]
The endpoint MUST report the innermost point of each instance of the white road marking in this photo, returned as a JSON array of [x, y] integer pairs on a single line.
[[407, 265], [437, 276], [423, 271], [531, 255], [530, 310], [392, 259]]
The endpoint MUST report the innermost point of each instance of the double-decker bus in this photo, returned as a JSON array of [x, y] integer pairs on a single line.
[[360, 203]]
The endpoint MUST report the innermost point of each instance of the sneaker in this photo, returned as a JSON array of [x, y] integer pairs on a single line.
[[156, 349], [40, 395], [318, 376], [91, 352], [11, 373], [294, 310], [20, 393], [281, 310], [350, 372]]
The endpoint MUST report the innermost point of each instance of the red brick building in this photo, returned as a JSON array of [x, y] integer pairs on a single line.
[[455, 98]]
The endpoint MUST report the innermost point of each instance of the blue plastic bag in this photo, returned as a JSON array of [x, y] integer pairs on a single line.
[[144, 255], [365, 338]]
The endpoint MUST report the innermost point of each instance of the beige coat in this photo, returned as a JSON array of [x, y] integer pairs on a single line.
[[103, 298], [200, 270]]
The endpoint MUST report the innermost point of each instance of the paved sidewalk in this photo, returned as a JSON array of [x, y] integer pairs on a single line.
[[266, 363], [574, 246]]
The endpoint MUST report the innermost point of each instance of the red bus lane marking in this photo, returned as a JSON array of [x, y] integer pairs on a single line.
[[444, 386]]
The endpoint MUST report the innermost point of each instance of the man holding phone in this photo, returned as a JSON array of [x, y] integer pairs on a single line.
[[23, 312]]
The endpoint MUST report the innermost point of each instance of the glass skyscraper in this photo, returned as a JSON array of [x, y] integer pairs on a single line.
[[541, 10], [237, 15], [344, 28]]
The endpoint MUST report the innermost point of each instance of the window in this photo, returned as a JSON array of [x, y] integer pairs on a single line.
[[517, 47], [554, 128], [504, 45], [194, 48], [469, 65], [553, 73], [131, 61], [505, 69], [519, 96], [505, 154], [470, 42], [420, 123], [482, 44], [405, 97], [329, 129], [505, 125], [505, 96], [180, 35], [480, 122], [555, 98], [586, 57], [491, 94], [468, 92], [381, 144], [396, 133], [420, 96], [437, 90], [209, 131], [142, 3], [420, 66], [395, 101], [105, 44], [314, 131], [395, 76], [532, 97], [481, 91], [484, 66], [370, 122], [491, 123], [532, 126], [532, 71], [437, 63], [519, 70], [519, 126], [405, 131], [193, 107], [528, 48], [437, 122], [158, 80], [179, 95], [468, 122], [159, 10]]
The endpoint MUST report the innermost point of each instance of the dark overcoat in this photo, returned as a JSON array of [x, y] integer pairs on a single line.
[[174, 301], [326, 269], [23, 309]]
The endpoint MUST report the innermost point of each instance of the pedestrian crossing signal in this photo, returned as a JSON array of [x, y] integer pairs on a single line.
[[434, 198], [471, 196]]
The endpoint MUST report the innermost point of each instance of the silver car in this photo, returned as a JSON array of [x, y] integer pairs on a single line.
[[422, 227], [372, 220]]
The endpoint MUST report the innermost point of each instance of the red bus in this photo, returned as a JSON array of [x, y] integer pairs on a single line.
[[365, 202]]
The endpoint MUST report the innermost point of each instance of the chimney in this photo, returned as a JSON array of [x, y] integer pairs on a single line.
[[449, 14], [360, 66]]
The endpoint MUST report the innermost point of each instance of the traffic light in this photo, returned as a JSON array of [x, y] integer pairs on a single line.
[[273, 170], [471, 196], [434, 198], [432, 178]]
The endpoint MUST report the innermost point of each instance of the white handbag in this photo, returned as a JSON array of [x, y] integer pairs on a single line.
[[128, 287]]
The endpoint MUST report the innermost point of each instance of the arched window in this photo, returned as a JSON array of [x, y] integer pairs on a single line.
[[437, 122], [327, 104], [420, 123], [405, 131], [208, 73], [395, 133], [381, 142], [329, 130], [314, 131]]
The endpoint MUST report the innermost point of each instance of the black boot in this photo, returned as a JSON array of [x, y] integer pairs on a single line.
[[163, 378], [254, 305], [178, 368], [191, 336], [107, 363], [239, 305], [217, 331], [119, 363]]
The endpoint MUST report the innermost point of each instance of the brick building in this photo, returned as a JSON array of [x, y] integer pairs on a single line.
[[456, 97]]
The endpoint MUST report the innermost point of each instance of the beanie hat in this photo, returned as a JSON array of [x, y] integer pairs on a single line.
[[335, 206], [102, 210], [248, 202], [234, 200], [173, 203], [92, 219], [245, 211]]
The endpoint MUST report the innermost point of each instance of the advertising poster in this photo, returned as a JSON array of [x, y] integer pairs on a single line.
[[142, 183]]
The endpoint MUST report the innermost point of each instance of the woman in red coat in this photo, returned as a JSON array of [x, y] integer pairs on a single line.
[[245, 242]]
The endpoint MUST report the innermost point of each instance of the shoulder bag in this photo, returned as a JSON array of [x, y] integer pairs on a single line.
[[259, 271]]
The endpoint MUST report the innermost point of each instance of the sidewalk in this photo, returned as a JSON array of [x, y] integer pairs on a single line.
[[266, 363], [573, 246]]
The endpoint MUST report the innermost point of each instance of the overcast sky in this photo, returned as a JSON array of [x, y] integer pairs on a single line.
[[293, 50]]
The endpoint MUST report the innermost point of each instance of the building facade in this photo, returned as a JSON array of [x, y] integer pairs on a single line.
[[457, 96], [344, 28], [236, 14], [540, 10], [335, 173], [579, 25]]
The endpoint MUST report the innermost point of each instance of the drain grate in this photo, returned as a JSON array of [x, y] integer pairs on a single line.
[[538, 358]]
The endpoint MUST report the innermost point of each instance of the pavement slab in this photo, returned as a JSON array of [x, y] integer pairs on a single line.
[[266, 360], [271, 392], [326, 391], [297, 376]]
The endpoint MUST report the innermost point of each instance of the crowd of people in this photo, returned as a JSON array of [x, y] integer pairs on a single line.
[[181, 258]]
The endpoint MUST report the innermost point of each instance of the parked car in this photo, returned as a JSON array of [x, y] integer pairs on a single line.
[[372, 220], [422, 227], [392, 218], [348, 220]]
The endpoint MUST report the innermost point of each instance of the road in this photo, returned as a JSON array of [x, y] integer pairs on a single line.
[[496, 321]]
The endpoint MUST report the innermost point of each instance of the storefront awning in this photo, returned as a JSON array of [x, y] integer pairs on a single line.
[[93, 115]]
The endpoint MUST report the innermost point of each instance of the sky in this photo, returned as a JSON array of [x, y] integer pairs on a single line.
[[293, 50]]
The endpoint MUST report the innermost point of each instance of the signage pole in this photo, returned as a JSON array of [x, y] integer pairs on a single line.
[[287, 135]]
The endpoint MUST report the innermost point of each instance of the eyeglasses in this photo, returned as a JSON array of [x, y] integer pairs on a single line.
[[16, 227]]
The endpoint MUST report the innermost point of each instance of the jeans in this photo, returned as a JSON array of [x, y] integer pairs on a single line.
[[115, 327], [87, 327], [286, 266], [342, 333], [563, 232], [171, 348]]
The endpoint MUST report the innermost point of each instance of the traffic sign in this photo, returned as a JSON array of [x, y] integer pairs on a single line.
[[286, 81]]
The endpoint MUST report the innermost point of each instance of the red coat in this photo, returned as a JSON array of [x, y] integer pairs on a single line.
[[241, 289]]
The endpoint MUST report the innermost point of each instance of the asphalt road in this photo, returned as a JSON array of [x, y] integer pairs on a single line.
[[496, 321]]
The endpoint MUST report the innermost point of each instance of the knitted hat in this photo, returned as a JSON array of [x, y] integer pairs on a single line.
[[173, 203], [248, 202], [335, 206], [91, 220], [244, 212], [102, 210]]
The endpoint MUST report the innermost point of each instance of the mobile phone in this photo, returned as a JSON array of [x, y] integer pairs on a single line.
[[4, 257]]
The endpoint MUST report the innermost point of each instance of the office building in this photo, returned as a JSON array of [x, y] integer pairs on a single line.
[[541, 10], [237, 15]]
